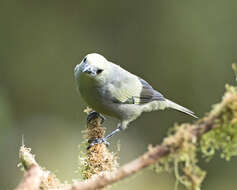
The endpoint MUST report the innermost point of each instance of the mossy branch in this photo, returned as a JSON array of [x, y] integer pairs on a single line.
[[98, 159], [215, 131], [35, 176], [32, 178]]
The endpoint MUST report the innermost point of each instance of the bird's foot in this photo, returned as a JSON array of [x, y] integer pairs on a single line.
[[97, 141], [93, 115]]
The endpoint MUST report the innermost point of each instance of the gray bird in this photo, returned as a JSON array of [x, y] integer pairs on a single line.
[[111, 90]]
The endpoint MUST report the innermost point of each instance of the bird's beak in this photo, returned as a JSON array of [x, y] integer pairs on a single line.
[[89, 69], [76, 68]]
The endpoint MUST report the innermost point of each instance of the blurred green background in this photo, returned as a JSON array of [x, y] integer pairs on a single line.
[[183, 48]]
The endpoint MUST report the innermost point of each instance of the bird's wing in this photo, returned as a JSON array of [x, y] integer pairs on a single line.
[[133, 90], [148, 94]]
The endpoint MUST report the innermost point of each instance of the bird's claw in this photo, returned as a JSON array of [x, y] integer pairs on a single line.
[[93, 115], [97, 141]]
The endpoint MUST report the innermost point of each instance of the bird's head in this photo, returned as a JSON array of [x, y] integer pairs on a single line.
[[93, 65]]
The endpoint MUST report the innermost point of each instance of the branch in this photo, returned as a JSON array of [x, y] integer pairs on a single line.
[[97, 159], [35, 177], [31, 179], [125, 171], [221, 114], [147, 159]]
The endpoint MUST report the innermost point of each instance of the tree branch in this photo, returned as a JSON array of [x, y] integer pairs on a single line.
[[33, 176], [171, 144], [125, 171], [147, 159], [31, 179]]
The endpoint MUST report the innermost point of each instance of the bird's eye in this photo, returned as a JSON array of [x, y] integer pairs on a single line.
[[84, 60], [99, 71]]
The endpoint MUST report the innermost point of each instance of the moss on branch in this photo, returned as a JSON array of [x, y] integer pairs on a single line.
[[98, 159], [218, 132], [35, 176]]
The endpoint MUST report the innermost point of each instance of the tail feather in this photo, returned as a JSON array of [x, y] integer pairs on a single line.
[[178, 107]]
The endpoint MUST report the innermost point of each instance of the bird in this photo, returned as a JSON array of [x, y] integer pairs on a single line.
[[111, 90]]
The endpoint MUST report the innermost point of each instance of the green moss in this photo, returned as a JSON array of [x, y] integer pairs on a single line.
[[97, 159], [222, 138], [183, 159], [83, 165]]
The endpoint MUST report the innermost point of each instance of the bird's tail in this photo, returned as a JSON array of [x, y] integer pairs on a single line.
[[173, 105]]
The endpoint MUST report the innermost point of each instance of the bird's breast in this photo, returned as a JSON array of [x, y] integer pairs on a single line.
[[95, 95]]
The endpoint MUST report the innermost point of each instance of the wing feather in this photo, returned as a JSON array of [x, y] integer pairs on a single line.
[[133, 90]]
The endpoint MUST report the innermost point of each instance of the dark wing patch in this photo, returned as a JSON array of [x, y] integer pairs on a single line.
[[148, 94]]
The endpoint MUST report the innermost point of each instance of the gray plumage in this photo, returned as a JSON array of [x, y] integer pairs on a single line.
[[111, 90]]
